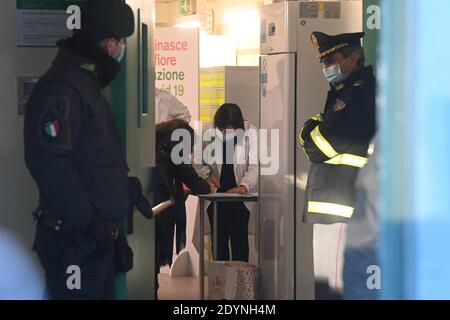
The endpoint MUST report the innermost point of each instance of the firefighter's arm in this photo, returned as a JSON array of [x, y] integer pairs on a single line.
[[52, 124], [311, 150], [341, 125], [308, 127]]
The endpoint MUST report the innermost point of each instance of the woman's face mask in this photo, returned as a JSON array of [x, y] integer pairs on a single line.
[[229, 135]]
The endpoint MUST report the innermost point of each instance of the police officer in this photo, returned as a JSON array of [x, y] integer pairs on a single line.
[[337, 141], [73, 152]]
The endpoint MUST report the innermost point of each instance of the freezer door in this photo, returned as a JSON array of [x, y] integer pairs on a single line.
[[277, 181], [279, 27]]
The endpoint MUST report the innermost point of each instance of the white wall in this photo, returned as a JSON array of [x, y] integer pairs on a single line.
[[18, 194], [236, 18]]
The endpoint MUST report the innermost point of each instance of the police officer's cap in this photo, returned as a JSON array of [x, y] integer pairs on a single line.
[[328, 45], [108, 17]]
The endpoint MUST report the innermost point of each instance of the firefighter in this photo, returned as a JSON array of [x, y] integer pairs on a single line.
[[337, 140]]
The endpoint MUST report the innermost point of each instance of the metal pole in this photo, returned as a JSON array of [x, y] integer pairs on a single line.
[[202, 250], [258, 245], [215, 231]]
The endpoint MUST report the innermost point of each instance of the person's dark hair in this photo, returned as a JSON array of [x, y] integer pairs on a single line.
[[164, 130], [229, 114]]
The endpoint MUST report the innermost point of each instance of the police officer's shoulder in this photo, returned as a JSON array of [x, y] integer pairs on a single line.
[[50, 114], [54, 98], [55, 90]]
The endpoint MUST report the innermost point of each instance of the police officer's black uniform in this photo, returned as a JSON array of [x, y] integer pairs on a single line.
[[73, 151], [337, 141]]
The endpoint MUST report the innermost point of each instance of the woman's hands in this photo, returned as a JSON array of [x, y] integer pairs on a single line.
[[239, 190], [214, 184]]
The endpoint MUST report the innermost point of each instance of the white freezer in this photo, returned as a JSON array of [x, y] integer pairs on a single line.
[[278, 96]]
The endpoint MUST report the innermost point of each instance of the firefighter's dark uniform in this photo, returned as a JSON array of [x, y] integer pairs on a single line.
[[337, 142], [73, 151]]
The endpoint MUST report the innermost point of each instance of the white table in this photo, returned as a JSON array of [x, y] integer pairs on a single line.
[[215, 198]]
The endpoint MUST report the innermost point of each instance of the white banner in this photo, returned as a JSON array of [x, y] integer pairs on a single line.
[[177, 65]]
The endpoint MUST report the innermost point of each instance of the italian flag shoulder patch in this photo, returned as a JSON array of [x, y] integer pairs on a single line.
[[52, 129]]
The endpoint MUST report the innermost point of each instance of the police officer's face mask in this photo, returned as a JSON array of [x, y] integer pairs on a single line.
[[113, 51], [334, 74], [337, 73], [122, 53]]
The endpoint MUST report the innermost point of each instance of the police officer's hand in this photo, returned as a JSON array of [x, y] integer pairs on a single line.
[[103, 234], [102, 231], [79, 245]]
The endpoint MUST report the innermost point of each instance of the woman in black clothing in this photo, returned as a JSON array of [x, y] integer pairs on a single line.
[[168, 184], [238, 176]]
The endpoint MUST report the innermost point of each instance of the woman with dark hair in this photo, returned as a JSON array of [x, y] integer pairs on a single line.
[[236, 172], [168, 184]]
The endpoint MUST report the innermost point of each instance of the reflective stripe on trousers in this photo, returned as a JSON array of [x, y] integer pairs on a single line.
[[331, 209]]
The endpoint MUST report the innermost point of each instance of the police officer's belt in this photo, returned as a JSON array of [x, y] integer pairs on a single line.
[[56, 224], [47, 220]]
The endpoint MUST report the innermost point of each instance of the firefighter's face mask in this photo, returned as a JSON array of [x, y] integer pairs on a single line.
[[337, 68], [334, 74]]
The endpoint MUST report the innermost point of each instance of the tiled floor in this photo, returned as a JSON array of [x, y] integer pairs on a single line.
[[180, 288]]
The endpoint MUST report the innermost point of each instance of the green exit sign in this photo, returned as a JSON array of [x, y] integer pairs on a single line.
[[187, 7]]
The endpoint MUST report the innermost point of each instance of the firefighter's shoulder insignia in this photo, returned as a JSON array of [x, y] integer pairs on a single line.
[[358, 83], [339, 105]]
